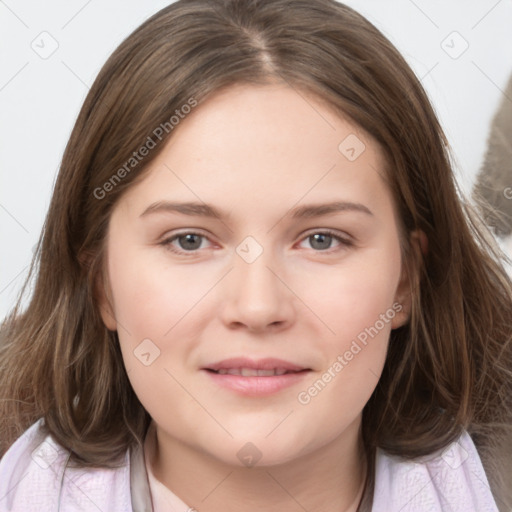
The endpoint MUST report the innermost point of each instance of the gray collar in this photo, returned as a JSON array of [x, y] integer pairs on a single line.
[[139, 483]]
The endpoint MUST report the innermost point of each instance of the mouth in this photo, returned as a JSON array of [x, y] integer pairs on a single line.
[[252, 372], [247, 367], [255, 377]]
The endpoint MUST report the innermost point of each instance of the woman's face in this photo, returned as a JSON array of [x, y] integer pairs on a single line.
[[302, 265]]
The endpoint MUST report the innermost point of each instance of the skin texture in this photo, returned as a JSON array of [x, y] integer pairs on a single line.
[[256, 153]]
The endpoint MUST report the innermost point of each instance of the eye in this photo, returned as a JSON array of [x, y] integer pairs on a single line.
[[321, 240], [188, 242]]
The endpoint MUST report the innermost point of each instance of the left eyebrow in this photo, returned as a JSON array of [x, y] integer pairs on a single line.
[[206, 210], [317, 210]]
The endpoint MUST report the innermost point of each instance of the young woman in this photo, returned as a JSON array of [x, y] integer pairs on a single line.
[[257, 287]]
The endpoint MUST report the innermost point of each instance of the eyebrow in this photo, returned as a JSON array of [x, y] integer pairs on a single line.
[[206, 210]]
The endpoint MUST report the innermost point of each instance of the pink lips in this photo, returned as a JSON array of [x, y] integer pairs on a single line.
[[241, 375], [261, 364]]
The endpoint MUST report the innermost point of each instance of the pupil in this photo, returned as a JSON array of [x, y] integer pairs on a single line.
[[189, 239], [319, 237]]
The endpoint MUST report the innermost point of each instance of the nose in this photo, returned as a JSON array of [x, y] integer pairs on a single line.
[[256, 297]]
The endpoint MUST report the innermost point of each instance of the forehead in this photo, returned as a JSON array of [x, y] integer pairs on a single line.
[[265, 145], [286, 122]]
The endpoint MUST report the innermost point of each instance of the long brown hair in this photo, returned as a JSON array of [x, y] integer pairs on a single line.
[[449, 368]]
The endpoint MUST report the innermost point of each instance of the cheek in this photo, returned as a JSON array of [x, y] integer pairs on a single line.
[[357, 306], [151, 303], [151, 298], [159, 309], [353, 357], [353, 296]]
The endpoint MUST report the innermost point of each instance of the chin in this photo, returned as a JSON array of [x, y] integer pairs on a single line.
[[256, 453]]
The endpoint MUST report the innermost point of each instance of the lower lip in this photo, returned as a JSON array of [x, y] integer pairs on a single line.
[[257, 386]]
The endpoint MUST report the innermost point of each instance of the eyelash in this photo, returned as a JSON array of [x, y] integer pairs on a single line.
[[167, 243]]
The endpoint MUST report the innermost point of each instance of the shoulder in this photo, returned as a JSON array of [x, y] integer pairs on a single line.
[[34, 475], [450, 479]]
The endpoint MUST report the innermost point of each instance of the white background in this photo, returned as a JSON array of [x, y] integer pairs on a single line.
[[40, 98]]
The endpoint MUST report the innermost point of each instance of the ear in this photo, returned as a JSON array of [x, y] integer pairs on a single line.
[[92, 262], [104, 301], [404, 292]]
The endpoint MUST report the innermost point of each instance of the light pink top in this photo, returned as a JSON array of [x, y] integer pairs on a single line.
[[34, 477]]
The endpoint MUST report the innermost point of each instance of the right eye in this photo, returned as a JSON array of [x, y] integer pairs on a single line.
[[189, 242]]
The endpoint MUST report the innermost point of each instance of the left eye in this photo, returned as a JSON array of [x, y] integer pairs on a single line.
[[321, 240], [190, 242]]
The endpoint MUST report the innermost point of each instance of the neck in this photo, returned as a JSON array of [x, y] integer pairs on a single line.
[[330, 479]]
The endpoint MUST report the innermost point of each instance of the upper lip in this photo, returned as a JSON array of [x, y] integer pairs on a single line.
[[259, 364]]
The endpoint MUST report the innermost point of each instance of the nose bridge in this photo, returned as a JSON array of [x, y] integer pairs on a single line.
[[257, 297]]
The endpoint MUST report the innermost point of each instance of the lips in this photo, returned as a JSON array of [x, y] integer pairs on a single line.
[[246, 367], [252, 372], [255, 378]]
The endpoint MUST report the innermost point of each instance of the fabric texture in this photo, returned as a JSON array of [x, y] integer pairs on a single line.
[[34, 476]]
